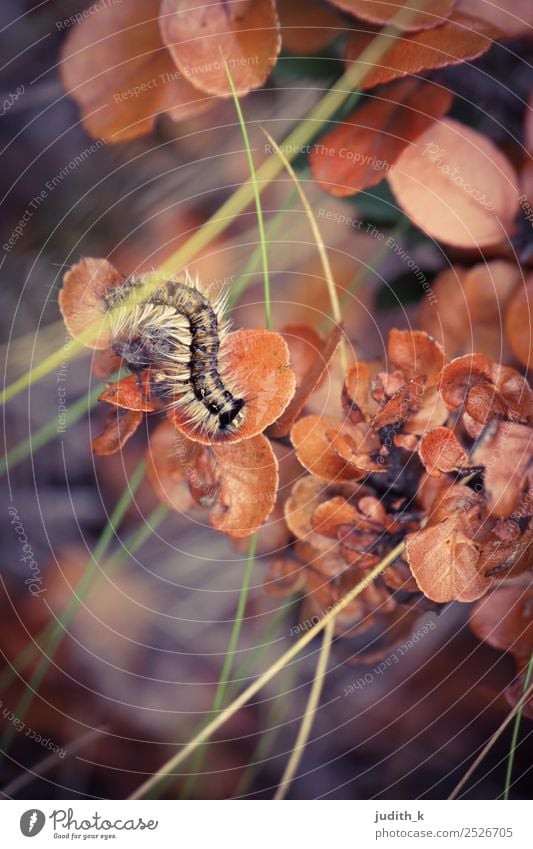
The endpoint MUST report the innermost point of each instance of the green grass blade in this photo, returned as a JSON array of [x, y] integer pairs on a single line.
[[516, 729], [272, 229]]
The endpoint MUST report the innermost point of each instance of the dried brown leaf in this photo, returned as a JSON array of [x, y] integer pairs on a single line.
[[201, 37]]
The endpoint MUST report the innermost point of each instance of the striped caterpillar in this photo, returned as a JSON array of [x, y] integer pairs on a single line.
[[176, 333]]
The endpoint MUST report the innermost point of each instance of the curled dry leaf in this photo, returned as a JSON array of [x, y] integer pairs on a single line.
[[310, 357], [488, 389], [237, 481], [129, 393], [258, 363], [415, 353], [357, 445], [356, 392], [308, 26], [116, 67], [456, 186], [444, 560], [358, 153], [467, 315], [247, 474], [119, 425], [403, 405], [306, 495], [329, 514], [315, 451], [81, 300], [507, 550], [519, 323], [202, 37], [441, 451], [460, 38], [433, 13], [506, 451]]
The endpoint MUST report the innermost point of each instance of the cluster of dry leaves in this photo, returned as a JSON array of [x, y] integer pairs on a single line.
[[134, 61], [431, 447], [341, 492]]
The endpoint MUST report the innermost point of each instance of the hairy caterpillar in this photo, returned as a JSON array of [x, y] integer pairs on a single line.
[[176, 333]]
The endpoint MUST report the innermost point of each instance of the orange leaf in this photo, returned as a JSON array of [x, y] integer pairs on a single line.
[[308, 26], [258, 363], [441, 451], [504, 621], [356, 444], [512, 18], [81, 300], [358, 153], [310, 357], [315, 452], [444, 561], [200, 37], [128, 394], [505, 450], [237, 481], [331, 513], [119, 425], [168, 460], [456, 186], [466, 315], [118, 70], [356, 391], [307, 494], [433, 14], [460, 38], [416, 354], [403, 405], [248, 480], [519, 323], [488, 389]]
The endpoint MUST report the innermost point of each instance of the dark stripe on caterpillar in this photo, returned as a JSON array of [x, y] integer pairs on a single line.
[[143, 344]]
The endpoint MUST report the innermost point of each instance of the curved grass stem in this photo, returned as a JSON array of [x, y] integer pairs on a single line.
[[309, 715], [328, 274], [516, 729]]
